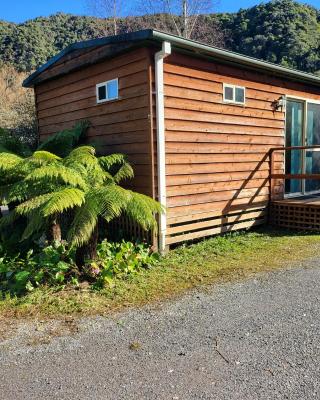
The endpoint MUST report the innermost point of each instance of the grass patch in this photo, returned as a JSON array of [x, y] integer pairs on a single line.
[[221, 258]]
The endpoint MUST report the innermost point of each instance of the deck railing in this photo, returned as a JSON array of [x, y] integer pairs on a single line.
[[274, 175]]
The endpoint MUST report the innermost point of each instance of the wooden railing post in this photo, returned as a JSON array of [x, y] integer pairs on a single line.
[[271, 180]]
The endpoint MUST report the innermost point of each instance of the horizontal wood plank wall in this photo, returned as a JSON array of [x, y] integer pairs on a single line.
[[122, 125], [217, 164]]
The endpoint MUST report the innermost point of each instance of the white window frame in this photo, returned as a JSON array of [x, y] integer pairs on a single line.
[[106, 85], [234, 87]]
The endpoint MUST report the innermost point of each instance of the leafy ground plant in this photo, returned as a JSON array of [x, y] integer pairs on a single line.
[[118, 260], [217, 259], [54, 267]]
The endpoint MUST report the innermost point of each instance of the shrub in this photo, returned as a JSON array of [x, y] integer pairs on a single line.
[[54, 266], [119, 260]]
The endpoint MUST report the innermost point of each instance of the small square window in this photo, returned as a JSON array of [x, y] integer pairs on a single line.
[[234, 94], [107, 91]]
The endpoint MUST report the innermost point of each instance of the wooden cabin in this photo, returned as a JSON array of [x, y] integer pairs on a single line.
[[204, 128]]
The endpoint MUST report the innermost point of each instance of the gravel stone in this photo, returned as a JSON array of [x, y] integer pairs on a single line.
[[245, 340]]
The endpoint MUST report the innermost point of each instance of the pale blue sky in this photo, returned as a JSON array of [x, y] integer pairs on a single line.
[[21, 10]]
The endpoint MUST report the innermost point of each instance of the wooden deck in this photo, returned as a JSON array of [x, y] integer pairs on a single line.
[[301, 213]]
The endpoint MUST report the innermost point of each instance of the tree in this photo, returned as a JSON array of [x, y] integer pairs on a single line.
[[86, 185], [281, 31], [181, 15], [17, 161], [105, 9]]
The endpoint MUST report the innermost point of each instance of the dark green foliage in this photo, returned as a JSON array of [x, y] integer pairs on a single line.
[[281, 31], [32, 43], [54, 266], [11, 143], [63, 142]]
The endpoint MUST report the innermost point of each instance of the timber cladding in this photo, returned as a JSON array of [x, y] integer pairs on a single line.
[[123, 125], [217, 153], [217, 161]]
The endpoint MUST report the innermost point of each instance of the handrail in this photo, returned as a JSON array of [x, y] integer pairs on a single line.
[[274, 175], [291, 176], [316, 146]]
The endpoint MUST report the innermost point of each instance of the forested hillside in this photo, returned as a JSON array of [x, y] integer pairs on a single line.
[[280, 31]]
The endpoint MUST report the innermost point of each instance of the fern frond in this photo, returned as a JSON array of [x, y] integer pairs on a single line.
[[124, 172], [84, 155], [8, 219], [18, 191], [57, 172], [63, 142], [63, 200], [84, 222], [35, 224], [111, 200], [31, 205], [45, 156], [142, 209], [8, 161], [111, 160]]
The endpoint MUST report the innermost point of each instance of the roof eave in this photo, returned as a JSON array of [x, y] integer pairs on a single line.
[[238, 59], [133, 36], [178, 42]]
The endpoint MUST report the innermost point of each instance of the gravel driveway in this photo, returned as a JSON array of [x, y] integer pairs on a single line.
[[255, 339]]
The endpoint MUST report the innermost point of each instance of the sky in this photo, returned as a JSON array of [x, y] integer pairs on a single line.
[[21, 10]]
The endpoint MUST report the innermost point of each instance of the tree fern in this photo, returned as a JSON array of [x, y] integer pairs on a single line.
[[63, 142], [47, 185]]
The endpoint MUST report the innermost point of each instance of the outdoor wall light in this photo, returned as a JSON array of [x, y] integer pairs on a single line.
[[279, 104]]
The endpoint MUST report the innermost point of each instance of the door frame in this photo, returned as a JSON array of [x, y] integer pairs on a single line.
[[305, 101]]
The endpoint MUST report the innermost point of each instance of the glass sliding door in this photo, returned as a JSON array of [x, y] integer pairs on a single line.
[[312, 138], [302, 129], [294, 137]]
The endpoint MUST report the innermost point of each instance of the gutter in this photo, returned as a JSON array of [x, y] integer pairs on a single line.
[[161, 150], [151, 36], [237, 59]]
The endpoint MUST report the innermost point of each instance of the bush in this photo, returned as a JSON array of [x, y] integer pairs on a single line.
[[118, 260], [54, 266]]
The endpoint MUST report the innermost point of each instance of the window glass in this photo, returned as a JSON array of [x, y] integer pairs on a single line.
[[228, 93], [112, 88], [239, 97], [102, 93], [107, 91]]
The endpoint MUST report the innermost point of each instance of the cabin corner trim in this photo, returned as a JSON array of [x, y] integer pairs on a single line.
[[161, 150]]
